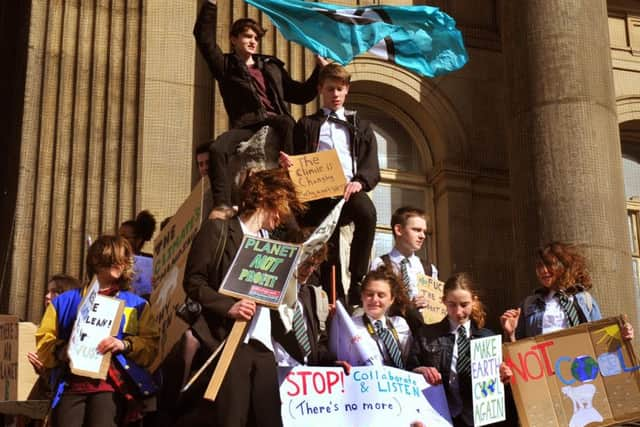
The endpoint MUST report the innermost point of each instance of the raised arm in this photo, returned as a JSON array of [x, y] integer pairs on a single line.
[[205, 34]]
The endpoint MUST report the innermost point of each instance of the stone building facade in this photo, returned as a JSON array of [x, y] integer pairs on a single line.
[[106, 100]]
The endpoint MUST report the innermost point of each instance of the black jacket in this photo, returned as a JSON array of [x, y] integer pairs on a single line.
[[236, 84], [202, 276], [433, 346], [364, 148], [320, 354]]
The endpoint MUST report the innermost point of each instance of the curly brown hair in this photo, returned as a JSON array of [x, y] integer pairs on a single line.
[[399, 293], [568, 265], [110, 250], [465, 282], [271, 190]]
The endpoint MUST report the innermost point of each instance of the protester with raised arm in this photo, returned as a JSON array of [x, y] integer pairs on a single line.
[[255, 90]]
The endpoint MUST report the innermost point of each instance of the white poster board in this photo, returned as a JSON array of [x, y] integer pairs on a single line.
[[488, 391], [372, 396], [98, 317]]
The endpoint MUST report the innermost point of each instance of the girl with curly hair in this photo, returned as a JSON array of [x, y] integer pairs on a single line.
[[382, 290], [116, 400], [250, 390], [562, 301], [442, 352]]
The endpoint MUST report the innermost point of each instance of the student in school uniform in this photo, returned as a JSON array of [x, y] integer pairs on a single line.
[[391, 335], [115, 401], [441, 351], [562, 301], [297, 334], [409, 228], [334, 127], [249, 392]]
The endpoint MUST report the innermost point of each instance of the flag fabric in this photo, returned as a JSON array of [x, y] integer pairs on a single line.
[[319, 236], [348, 343], [422, 39]]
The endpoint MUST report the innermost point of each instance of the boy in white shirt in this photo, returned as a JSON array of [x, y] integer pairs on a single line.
[[409, 228]]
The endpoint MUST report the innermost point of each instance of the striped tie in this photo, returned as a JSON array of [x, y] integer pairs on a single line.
[[300, 331], [569, 308], [390, 344], [463, 364], [404, 270]]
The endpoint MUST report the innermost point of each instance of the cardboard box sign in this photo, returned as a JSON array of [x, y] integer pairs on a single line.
[[317, 175], [431, 289], [171, 250], [580, 376], [17, 377]]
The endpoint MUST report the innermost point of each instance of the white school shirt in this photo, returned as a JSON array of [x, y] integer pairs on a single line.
[[415, 267], [455, 403], [282, 356], [554, 317], [401, 326], [335, 135], [260, 326]]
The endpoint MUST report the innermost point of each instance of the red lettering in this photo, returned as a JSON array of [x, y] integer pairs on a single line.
[[304, 375], [520, 370], [333, 378], [540, 367], [545, 356], [323, 386], [294, 384]]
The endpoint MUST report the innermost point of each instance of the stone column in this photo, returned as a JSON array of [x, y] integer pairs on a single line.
[[565, 159]]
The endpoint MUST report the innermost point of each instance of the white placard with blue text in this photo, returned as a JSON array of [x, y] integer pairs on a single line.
[[488, 391], [372, 396]]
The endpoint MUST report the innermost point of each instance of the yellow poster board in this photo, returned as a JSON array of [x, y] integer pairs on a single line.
[[431, 290], [317, 175]]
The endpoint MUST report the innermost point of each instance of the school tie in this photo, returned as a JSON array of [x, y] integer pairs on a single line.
[[463, 364], [300, 331], [404, 270], [569, 308], [390, 344]]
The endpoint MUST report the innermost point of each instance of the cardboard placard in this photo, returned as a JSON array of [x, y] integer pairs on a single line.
[[98, 317], [317, 175], [369, 396], [261, 270], [488, 391], [431, 289], [9, 360], [574, 377], [171, 249], [27, 376]]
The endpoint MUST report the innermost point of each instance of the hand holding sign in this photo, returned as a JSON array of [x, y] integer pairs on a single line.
[[318, 175]]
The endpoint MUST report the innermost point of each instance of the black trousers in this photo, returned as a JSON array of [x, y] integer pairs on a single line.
[[225, 146], [248, 397], [88, 410], [361, 211]]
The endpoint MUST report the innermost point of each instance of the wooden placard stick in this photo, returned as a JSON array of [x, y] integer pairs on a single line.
[[233, 340], [333, 284]]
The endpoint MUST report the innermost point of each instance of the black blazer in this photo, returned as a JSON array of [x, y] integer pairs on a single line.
[[433, 346], [364, 148], [240, 98], [202, 276], [320, 354]]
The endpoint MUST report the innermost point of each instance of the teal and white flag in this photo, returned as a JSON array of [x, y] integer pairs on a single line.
[[422, 39]]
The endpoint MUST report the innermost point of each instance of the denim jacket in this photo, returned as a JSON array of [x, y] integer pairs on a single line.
[[532, 312]]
